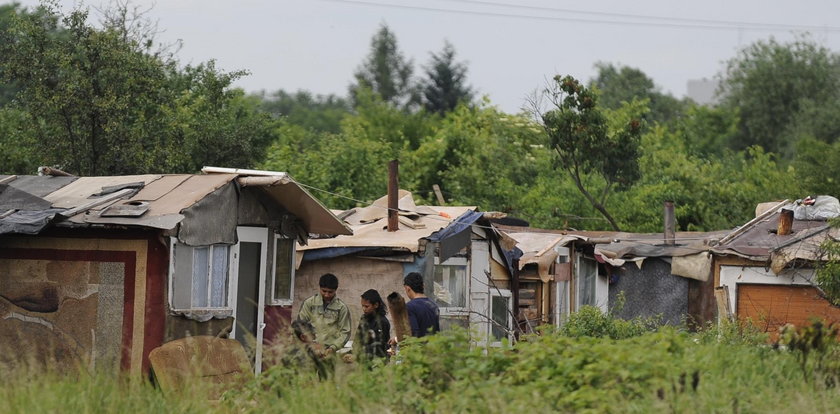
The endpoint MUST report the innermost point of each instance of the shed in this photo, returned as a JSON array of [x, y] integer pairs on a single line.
[[561, 270], [98, 271], [451, 246], [764, 271]]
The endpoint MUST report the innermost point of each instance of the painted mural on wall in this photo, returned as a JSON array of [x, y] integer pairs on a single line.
[[61, 312]]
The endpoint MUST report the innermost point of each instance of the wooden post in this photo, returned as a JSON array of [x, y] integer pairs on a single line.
[[670, 224], [439, 195], [785, 222], [393, 194], [723, 304]]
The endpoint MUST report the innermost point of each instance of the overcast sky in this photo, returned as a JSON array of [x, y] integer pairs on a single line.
[[511, 46]]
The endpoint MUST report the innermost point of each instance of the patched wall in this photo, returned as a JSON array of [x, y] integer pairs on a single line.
[[355, 276], [650, 291]]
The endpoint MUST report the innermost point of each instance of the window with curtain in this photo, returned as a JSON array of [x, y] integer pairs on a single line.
[[200, 277]]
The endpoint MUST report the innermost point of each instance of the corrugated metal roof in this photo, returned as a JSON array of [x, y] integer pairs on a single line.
[[756, 240]]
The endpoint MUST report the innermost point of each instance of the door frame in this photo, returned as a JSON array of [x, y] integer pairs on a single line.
[[251, 235]]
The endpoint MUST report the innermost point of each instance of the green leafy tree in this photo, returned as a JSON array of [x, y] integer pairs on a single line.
[[445, 84], [828, 273], [622, 84], [478, 156], [101, 101], [317, 112], [386, 72], [817, 166], [579, 131], [769, 84]]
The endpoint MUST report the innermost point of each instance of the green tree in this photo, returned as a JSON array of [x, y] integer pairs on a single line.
[[478, 156], [317, 112], [102, 101], [386, 72], [581, 134], [445, 84], [817, 166], [622, 84], [769, 83]]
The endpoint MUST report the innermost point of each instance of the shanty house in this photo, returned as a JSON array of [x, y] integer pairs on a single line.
[[448, 245], [764, 270], [560, 271], [98, 271]]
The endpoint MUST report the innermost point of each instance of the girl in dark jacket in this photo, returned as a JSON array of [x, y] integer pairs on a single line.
[[372, 335]]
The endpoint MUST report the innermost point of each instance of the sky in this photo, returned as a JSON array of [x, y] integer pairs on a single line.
[[511, 47]]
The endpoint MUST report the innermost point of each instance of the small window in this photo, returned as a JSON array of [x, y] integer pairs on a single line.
[[284, 271], [200, 277], [587, 277], [450, 283], [500, 316]]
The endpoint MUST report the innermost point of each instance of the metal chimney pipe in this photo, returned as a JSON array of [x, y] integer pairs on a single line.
[[393, 193], [670, 224], [785, 222]]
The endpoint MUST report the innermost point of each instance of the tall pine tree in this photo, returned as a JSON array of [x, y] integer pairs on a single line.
[[445, 86], [386, 72]]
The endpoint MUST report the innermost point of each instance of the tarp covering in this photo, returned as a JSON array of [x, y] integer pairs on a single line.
[[14, 199], [38, 185], [28, 222], [456, 235], [215, 208], [539, 249], [695, 266], [690, 258]]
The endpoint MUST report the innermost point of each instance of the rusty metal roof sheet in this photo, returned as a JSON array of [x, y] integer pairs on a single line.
[[757, 239]]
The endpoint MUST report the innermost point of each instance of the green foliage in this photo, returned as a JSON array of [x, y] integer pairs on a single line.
[[620, 85], [386, 72], [770, 84], [816, 349], [662, 371], [828, 272], [589, 321], [817, 166], [708, 193], [100, 101], [17, 153], [579, 131], [666, 370], [315, 112], [445, 84], [478, 156]]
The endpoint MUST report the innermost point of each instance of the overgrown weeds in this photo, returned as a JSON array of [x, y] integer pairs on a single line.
[[728, 368]]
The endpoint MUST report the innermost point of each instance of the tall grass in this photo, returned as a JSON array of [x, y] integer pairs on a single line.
[[724, 369]]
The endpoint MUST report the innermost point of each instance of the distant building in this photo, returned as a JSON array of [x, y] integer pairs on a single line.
[[703, 90]]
